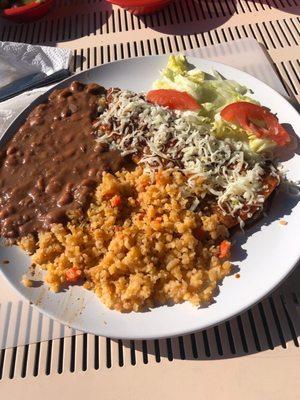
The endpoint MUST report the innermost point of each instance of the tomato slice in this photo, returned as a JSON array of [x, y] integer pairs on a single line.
[[256, 119], [173, 99]]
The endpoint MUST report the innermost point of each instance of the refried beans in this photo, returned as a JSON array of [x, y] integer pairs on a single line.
[[53, 163]]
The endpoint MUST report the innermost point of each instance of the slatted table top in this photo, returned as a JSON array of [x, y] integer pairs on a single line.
[[101, 32], [253, 356]]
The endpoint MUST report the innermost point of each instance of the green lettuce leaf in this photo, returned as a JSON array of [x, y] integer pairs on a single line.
[[178, 75], [222, 129], [212, 92]]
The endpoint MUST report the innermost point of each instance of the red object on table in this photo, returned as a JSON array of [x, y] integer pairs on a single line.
[[27, 13], [139, 7]]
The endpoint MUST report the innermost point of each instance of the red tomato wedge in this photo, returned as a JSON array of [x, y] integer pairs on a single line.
[[173, 99], [256, 119]]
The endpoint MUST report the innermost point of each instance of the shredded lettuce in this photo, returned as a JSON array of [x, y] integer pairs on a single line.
[[213, 92], [177, 65], [177, 75], [259, 145], [222, 129]]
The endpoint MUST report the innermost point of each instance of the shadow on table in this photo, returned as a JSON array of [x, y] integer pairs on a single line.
[[285, 5], [65, 24], [287, 86], [209, 16], [82, 19]]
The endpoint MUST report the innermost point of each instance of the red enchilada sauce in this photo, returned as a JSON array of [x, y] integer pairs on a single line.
[[53, 163]]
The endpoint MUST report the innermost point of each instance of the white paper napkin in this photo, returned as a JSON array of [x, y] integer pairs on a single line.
[[21, 59], [24, 66]]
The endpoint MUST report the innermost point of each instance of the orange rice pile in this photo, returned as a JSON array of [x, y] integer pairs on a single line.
[[138, 246]]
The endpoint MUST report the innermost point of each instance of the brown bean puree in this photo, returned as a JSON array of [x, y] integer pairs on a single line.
[[53, 163]]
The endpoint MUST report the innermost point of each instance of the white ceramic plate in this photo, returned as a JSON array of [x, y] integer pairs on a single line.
[[264, 255]]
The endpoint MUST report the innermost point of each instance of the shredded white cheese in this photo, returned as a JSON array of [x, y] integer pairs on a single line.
[[176, 139]]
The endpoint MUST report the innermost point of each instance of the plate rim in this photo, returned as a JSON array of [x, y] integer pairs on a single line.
[[19, 120]]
